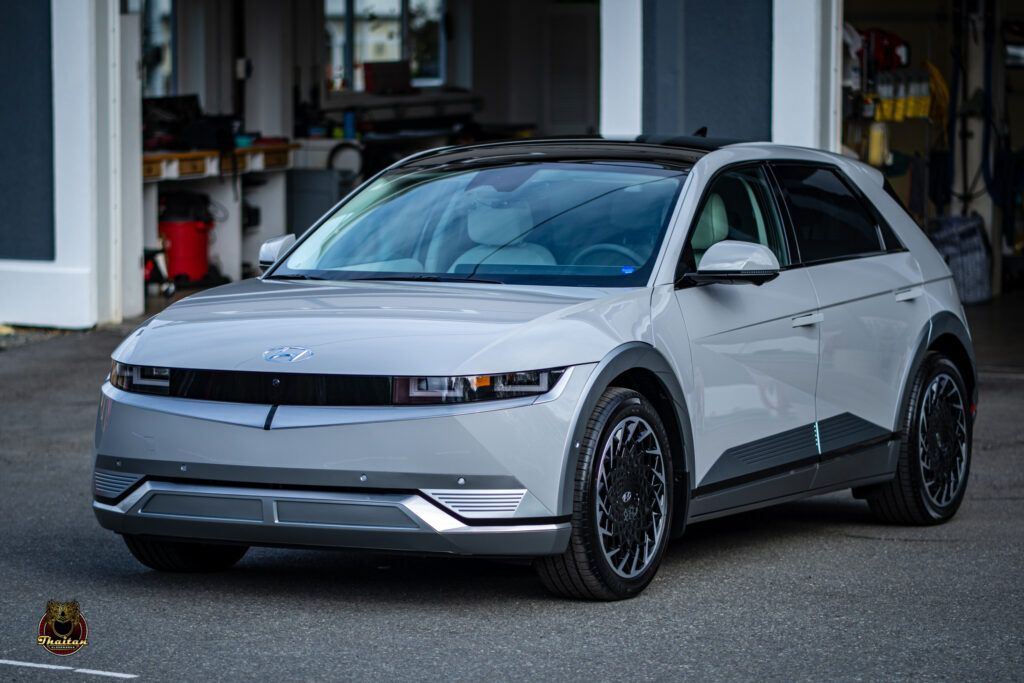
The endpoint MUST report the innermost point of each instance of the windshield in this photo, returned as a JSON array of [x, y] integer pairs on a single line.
[[567, 223]]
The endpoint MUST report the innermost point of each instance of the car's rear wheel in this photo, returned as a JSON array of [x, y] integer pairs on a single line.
[[935, 450], [183, 556], [622, 503]]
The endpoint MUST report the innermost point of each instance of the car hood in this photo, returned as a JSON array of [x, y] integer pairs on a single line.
[[390, 328]]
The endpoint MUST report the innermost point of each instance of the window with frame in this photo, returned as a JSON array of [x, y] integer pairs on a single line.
[[829, 220], [384, 31], [738, 206], [158, 48]]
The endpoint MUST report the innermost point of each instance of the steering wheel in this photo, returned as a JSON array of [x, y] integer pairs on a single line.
[[614, 248]]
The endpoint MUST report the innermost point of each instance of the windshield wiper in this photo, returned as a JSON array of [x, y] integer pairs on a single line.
[[425, 278], [293, 276]]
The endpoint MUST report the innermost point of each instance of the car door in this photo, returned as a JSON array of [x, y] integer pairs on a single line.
[[872, 306], [754, 353]]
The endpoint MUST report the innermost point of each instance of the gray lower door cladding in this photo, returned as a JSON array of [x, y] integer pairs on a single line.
[[846, 430], [792, 449]]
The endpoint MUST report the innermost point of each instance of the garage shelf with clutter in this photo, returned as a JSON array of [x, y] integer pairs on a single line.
[[927, 99]]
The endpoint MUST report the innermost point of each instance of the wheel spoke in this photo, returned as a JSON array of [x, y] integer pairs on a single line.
[[631, 493], [942, 440]]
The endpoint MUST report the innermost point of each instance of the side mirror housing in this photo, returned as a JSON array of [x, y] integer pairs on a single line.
[[735, 263], [271, 250]]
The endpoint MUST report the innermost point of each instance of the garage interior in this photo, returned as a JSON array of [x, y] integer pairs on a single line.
[[258, 115], [933, 96]]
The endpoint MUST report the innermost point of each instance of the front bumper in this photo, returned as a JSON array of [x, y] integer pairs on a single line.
[[375, 521], [476, 479]]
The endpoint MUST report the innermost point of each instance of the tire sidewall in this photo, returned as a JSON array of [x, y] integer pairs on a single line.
[[628, 404], [935, 365]]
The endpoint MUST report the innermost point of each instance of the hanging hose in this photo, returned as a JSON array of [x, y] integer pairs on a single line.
[[954, 93], [986, 138]]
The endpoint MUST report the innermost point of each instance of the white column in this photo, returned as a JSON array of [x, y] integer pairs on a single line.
[[806, 44], [268, 44], [622, 67], [85, 282], [133, 287], [108, 266], [62, 292]]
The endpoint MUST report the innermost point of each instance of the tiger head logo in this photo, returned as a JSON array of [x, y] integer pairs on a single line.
[[63, 617]]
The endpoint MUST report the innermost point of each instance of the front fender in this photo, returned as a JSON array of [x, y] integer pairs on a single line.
[[629, 356]]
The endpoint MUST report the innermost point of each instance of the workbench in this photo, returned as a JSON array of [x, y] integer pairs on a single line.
[[213, 174]]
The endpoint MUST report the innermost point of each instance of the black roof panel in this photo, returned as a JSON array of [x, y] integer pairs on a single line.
[[666, 150]]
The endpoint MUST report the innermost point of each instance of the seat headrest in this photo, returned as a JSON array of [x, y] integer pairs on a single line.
[[713, 225], [493, 221]]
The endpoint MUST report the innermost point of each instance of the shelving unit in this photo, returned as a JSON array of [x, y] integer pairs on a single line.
[[214, 175]]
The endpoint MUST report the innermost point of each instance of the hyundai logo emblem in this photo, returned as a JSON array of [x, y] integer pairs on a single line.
[[286, 354]]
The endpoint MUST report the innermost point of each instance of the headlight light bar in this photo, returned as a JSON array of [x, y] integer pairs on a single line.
[[143, 379], [330, 390], [469, 388]]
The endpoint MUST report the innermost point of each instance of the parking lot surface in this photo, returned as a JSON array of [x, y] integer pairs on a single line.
[[814, 590]]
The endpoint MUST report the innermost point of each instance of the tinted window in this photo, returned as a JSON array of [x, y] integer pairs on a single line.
[[829, 220], [892, 243], [738, 206]]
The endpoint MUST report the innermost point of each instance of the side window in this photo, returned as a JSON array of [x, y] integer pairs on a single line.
[[738, 206], [828, 219]]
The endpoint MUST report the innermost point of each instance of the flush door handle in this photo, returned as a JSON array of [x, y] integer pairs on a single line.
[[809, 319], [908, 294]]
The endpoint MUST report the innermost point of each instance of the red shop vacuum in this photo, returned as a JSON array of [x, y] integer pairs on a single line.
[[185, 225]]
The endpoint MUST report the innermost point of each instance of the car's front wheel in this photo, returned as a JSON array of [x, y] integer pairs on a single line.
[[935, 450], [622, 503], [183, 556]]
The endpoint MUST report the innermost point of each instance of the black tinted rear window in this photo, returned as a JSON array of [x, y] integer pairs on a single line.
[[829, 220]]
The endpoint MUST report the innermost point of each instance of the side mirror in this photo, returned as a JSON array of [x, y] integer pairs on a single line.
[[736, 263], [271, 250]]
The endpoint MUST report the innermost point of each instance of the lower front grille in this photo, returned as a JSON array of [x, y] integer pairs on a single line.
[[109, 484], [479, 503]]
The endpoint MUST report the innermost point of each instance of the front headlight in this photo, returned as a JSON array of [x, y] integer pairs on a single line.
[[141, 379], [464, 389]]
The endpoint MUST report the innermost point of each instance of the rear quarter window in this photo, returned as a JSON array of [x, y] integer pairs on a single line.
[[829, 220]]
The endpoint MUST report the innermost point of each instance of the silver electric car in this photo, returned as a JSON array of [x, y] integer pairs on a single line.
[[564, 350]]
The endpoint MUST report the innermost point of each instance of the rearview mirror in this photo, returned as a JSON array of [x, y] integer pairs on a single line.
[[736, 263], [271, 250]]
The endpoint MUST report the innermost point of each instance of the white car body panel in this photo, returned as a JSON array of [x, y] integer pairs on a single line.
[[867, 335], [392, 328], [439, 442], [754, 372]]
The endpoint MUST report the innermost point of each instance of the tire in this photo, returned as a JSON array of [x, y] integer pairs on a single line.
[[617, 494], [182, 556], [929, 485]]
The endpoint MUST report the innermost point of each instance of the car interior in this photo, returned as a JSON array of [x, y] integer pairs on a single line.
[[739, 208], [597, 222]]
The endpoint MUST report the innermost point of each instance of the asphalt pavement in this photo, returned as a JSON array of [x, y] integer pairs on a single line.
[[814, 590]]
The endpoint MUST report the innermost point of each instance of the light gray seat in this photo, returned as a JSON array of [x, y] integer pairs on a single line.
[[499, 228], [712, 227]]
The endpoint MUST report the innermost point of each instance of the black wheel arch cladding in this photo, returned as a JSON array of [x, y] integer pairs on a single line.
[[638, 366]]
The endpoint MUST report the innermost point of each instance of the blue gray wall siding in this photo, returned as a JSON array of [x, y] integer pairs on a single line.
[[708, 63], [26, 123]]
